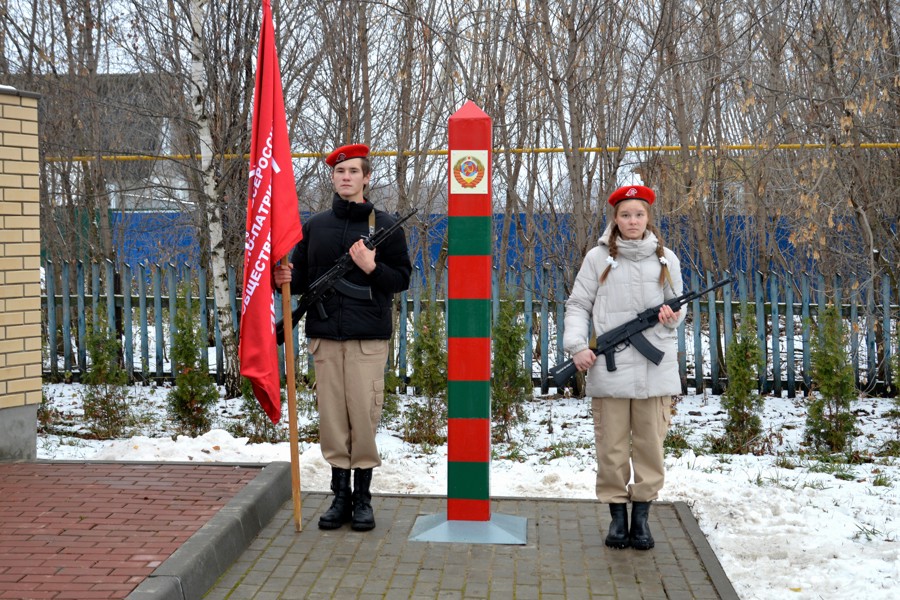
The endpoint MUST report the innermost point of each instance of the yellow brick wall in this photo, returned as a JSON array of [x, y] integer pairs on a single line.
[[20, 300]]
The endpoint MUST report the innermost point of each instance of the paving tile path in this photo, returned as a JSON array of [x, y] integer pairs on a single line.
[[83, 530], [564, 558], [73, 530]]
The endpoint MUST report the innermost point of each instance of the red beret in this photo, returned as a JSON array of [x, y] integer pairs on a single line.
[[632, 192], [346, 153]]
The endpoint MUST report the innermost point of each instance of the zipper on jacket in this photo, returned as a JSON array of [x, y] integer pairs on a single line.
[[340, 331]]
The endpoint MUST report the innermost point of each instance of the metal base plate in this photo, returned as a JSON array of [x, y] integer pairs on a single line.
[[501, 529]]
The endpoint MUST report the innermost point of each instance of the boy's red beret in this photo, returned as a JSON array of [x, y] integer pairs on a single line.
[[346, 153]]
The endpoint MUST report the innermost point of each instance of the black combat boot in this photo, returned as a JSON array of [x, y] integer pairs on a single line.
[[641, 539], [342, 507], [618, 527], [363, 515]]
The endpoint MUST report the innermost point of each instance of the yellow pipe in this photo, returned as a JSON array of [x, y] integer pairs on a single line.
[[702, 148]]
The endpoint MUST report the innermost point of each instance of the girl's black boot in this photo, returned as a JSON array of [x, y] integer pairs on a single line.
[[641, 538]]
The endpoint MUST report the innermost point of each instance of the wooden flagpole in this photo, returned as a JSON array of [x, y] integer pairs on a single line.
[[292, 399]]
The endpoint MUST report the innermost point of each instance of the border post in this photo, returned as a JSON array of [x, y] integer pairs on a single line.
[[469, 288]]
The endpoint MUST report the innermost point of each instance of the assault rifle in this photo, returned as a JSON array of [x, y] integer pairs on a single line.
[[323, 287], [630, 334]]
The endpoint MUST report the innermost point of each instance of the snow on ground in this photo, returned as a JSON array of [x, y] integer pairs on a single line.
[[783, 525]]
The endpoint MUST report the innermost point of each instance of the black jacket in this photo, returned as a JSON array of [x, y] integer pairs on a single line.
[[327, 236]]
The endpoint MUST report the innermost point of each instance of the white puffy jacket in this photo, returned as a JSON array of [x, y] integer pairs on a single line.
[[631, 286]]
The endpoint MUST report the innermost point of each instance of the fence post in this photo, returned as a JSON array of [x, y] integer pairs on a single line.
[[804, 315], [727, 315], [401, 339], [495, 295], [95, 295], [142, 307], [126, 321], [67, 319], [789, 333], [157, 318], [204, 314], [742, 291], [545, 337], [444, 287], [871, 350], [110, 299], [232, 297], [760, 328], [682, 353], [50, 284], [854, 334], [837, 294], [698, 350], [220, 350], [82, 316], [821, 295], [776, 335], [189, 289], [528, 300], [713, 337], [432, 286], [417, 299], [886, 329], [560, 315]]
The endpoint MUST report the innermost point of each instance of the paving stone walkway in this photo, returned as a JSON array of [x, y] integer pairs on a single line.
[[564, 557], [72, 530], [174, 531]]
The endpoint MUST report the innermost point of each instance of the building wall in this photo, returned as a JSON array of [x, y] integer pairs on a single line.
[[20, 279]]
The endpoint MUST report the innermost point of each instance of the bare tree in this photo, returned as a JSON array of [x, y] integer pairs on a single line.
[[758, 121]]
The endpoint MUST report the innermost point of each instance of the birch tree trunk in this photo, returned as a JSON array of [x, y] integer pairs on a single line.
[[209, 192]]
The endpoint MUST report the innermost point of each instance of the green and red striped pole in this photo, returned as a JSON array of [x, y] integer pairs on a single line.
[[470, 238], [470, 241]]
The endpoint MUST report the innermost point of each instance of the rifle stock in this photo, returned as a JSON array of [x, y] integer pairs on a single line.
[[321, 288], [629, 334]]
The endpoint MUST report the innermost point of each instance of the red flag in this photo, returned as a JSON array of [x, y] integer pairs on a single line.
[[273, 223]]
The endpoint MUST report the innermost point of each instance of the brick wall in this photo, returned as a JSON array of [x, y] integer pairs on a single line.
[[20, 290]]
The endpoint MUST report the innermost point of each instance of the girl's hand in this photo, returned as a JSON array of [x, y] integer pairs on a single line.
[[584, 360], [667, 316]]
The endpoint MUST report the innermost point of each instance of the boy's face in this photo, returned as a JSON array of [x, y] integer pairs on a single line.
[[348, 179]]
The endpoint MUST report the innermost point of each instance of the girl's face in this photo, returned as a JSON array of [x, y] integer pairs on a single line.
[[632, 217]]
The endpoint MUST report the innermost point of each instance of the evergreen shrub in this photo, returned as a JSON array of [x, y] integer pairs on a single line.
[[195, 394], [425, 419], [741, 401], [105, 393], [829, 420], [510, 382]]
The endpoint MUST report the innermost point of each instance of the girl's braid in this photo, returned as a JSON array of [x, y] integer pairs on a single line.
[[613, 250]]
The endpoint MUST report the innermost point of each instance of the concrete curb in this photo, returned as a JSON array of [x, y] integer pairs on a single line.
[[193, 569], [709, 559]]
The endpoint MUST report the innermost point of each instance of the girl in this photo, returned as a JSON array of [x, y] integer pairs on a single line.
[[628, 271]]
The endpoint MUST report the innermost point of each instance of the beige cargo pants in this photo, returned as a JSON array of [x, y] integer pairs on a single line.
[[350, 395], [629, 438]]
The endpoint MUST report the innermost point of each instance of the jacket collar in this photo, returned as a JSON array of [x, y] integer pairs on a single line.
[[632, 249], [352, 211]]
